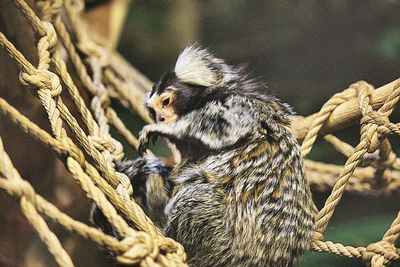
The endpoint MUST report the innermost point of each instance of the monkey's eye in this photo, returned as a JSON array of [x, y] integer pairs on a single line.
[[165, 102]]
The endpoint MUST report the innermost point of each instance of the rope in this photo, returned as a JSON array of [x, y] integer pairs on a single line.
[[90, 153]]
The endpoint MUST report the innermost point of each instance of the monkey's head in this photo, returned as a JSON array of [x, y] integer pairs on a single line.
[[197, 74]]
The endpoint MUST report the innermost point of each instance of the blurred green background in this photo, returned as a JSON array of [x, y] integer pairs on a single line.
[[305, 51]]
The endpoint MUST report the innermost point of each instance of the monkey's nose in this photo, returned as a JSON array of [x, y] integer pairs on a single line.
[[160, 116]]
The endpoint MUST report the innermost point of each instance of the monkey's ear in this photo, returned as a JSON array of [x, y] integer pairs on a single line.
[[197, 66]]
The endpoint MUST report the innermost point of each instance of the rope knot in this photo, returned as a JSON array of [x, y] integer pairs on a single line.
[[108, 144], [371, 119], [140, 247], [317, 236], [374, 117], [373, 124], [168, 245], [124, 187], [43, 80], [380, 253], [49, 9]]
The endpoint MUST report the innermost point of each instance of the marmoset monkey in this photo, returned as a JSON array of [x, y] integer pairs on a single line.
[[239, 197]]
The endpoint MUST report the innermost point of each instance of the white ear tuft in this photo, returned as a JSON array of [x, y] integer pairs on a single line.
[[194, 66]]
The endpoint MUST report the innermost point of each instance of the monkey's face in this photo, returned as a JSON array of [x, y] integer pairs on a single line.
[[161, 106], [164, 98], [170, 98]]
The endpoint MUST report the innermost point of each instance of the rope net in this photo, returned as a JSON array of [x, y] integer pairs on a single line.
[[90, 152]]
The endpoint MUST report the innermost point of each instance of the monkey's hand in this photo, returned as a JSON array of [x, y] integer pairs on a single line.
[[146, 134], [149, 132], [144, 138]]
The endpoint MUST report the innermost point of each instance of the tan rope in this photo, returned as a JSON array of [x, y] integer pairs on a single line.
[[71, 150], [58, 113], [323, 115]]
